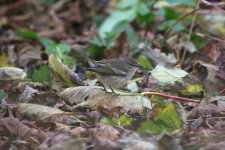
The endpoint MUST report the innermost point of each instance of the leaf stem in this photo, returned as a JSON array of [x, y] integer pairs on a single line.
[[171, 96]]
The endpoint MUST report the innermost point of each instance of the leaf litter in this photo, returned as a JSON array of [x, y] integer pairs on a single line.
[[50, 101]]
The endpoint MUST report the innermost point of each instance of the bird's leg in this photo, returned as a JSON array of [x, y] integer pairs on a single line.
[[104, 89], [113, 90]]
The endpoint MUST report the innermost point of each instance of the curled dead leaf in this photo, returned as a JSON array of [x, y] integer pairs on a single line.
[[11, 73], [62, 72]]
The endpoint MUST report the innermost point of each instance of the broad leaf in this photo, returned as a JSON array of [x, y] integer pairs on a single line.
[[41, 74], [166, 119], [168, 75], [94, 98]]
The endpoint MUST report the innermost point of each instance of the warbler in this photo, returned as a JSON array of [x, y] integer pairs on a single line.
[[114, 73]]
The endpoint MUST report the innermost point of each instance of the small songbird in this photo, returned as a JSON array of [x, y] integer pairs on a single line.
[[114, 73]]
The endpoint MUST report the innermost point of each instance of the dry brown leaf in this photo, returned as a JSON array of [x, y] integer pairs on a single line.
[[204, 110], [43, 113], [21, 94], [11, 73], [62, 142], [28, 54], [94, 97], [133, 141], [23, 132], [106, 131]]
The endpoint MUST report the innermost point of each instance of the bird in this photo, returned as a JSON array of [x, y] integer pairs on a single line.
[[114, 73]]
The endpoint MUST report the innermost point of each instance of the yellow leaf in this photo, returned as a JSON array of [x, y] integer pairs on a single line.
[[4, 59]]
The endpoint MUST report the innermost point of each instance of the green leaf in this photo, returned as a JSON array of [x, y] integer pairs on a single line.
[[145, 19], [168, 75], [193, 88], [96, 51], [197, 40], [48, 44], [27, 34], [144, 62], [170, 13], [167, 119], [123, 120], [126, 11], [41, 74], [109, 121]]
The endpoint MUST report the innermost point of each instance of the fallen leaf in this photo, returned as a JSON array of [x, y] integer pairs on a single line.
[[168, 119], [204, 110], [13, 126], [62, 142], [133, 141], [168, 75], [156, 56], [106, 131], [63, 73], [167, 141], [28, 54], [94, 97], [11, 73], [41, 74], [21, 94], [4, 60], [105, 137], [43, 113]]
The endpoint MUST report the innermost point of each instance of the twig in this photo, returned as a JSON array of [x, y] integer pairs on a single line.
[[172, 97], [180, 19], [210, 36], [189, 35]]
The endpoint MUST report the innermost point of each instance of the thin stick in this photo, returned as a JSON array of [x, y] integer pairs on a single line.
[[172, 97], [180, 19], [189, 35]]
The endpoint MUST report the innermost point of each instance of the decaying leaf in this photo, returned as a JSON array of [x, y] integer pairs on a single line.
[[4, 59], [212, 22], [204, 110], [41, 113], [28, 54], [11, 73], [168, 75], [134, 142], [94, 97], [80, 94], [62, 142], [14, 126], [21, 94], [63, 73], [167, 141], [105, 137], [106, 131], [157, 57]]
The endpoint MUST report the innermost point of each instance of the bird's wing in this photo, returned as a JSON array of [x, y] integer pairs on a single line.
[[104, 68]]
